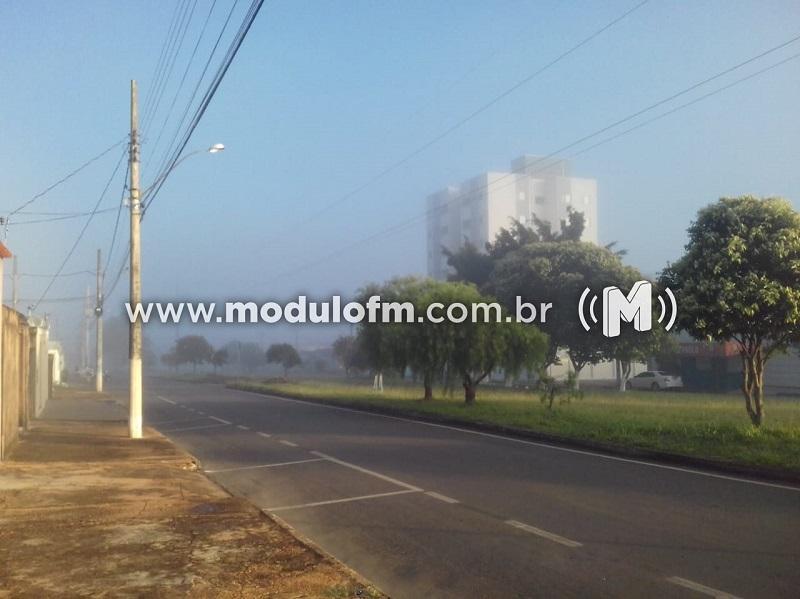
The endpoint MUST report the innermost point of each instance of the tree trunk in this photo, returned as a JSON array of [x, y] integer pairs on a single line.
[[624, 369], [469, 393], [427, 381], [576, 368], [753, 384]]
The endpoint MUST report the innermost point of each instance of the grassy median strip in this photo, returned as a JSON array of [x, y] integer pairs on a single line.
[[707, 426]]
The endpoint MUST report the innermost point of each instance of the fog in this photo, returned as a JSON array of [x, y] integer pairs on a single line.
[[318, 113]]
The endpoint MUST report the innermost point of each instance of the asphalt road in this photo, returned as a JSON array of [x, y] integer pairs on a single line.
[[432, 511]]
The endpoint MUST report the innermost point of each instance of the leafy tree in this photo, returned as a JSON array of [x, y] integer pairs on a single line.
[[667, 355], [571, 228], [633, 346], [470, 264], [558, 272], [475, 348], [170, 359], [219, 358], [251, 357], [473, 266], [430, 344], [194, 350], [740, 280], [349, 354], [383, 344], [284, 354]]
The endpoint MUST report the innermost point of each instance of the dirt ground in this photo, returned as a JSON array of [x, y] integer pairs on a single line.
[[86, 512]]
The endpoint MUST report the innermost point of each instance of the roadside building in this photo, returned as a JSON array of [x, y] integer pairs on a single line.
[[476, 209], [57, 363]]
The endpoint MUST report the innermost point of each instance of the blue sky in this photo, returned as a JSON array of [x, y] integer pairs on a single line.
[[324, 95]]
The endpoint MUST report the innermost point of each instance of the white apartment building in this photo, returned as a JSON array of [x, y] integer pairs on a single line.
[[478, 208]]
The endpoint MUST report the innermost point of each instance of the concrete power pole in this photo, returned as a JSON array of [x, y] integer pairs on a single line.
[[86, 330], [135, 418], [14, 284], [98, 313]]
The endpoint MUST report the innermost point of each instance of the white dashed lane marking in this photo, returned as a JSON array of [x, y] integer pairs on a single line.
[[543, 533], [292, 463], [700, 588], [333, 501], [192, 428], [441, 497], [388, 479]]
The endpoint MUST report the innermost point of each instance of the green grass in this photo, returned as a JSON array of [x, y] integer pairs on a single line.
[[699, 425]]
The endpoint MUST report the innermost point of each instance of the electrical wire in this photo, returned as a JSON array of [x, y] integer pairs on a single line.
[[122, 268], [63, 179], [415, 219], [163, 159], [49, 276], [464, 120], [169, 56], [184, 28], [162, 54], [82, 232], [55, 300], [52, 219], [116, 222], [185, 74], [209, 95]]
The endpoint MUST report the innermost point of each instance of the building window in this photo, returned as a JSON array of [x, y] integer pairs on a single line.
[[539, 200], [567, 198]]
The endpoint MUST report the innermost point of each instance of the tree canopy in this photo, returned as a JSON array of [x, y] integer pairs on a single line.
[[467, 351], [193, 349], [284, 354], [739, 280]]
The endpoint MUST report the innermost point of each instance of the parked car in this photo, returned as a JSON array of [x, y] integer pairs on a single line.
[[655, 380]]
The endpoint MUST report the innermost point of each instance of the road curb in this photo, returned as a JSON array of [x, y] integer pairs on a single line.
[[766, 474], [197, 464]]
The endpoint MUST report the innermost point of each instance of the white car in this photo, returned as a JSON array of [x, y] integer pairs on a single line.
[[655, 380]]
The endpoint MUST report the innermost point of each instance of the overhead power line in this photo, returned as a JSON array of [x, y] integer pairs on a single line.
[[63, 179], [82, 232], [122, 268], [54, 300], [157, 71], [233, 49], [163, 159], [49, 276], [466, 119], [415, 219], [185, 74], [166, 68], [52, 219], [116, 222]]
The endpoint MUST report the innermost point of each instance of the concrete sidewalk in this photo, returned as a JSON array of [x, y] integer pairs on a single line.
[[86, 512]]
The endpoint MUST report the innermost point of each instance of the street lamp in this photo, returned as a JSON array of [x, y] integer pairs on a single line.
[[136, 213], [215, 149]]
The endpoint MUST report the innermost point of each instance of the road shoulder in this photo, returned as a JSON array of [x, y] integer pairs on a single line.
[[139, 518]]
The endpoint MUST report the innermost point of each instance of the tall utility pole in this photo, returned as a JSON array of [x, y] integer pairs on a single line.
[[14, 284], [98, 314], [135, 417], [86, 331]]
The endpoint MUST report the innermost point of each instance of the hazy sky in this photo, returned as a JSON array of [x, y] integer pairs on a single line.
[[324, 95]]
